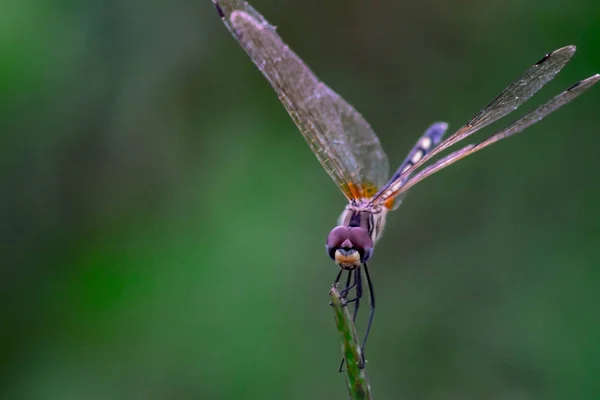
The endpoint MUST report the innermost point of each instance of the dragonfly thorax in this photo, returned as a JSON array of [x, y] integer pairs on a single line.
[[365, 215]]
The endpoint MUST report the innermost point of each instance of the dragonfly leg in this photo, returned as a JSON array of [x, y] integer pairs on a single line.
[[372, 299], [356, 300], [335, 283], [349, 287], [337, 278], [358, 283]]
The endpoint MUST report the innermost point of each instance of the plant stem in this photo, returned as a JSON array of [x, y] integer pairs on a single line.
[[356, 377]]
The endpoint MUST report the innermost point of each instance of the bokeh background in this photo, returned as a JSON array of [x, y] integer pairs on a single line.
[[163, 222]]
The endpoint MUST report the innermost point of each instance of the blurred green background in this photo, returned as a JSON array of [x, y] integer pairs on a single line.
[[163, 221]]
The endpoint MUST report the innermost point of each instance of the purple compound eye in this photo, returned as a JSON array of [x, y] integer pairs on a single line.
[[362, 240], [349, 239], [335, 239], [337, 236]]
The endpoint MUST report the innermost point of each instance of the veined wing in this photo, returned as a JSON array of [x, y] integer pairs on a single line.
[[509, 100], [339, 136], [516, 127]]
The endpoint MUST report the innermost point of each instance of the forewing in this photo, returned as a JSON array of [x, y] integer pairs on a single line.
[[339, 136], [507, 101], [369, 164], [516, 127]]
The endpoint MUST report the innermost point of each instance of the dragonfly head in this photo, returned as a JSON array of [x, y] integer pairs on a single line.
[[349, 246]]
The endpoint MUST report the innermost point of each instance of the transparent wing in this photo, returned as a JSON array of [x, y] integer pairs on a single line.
[[509, 100], [339, 136], [516, 127]]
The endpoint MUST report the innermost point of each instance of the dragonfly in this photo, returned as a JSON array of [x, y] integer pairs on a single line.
[[350, 151]]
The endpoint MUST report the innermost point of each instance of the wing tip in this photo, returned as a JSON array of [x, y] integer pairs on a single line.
[[229, 12], [566, 51], [586, 83]]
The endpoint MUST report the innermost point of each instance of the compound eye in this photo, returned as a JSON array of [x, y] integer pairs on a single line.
[[361, 238], [345, 240], [336, 237], [362, 241]]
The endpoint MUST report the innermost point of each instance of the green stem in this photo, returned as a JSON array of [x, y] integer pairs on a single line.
[[356, 377]]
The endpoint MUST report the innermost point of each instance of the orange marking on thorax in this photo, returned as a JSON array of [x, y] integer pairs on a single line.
[[365, 190]]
